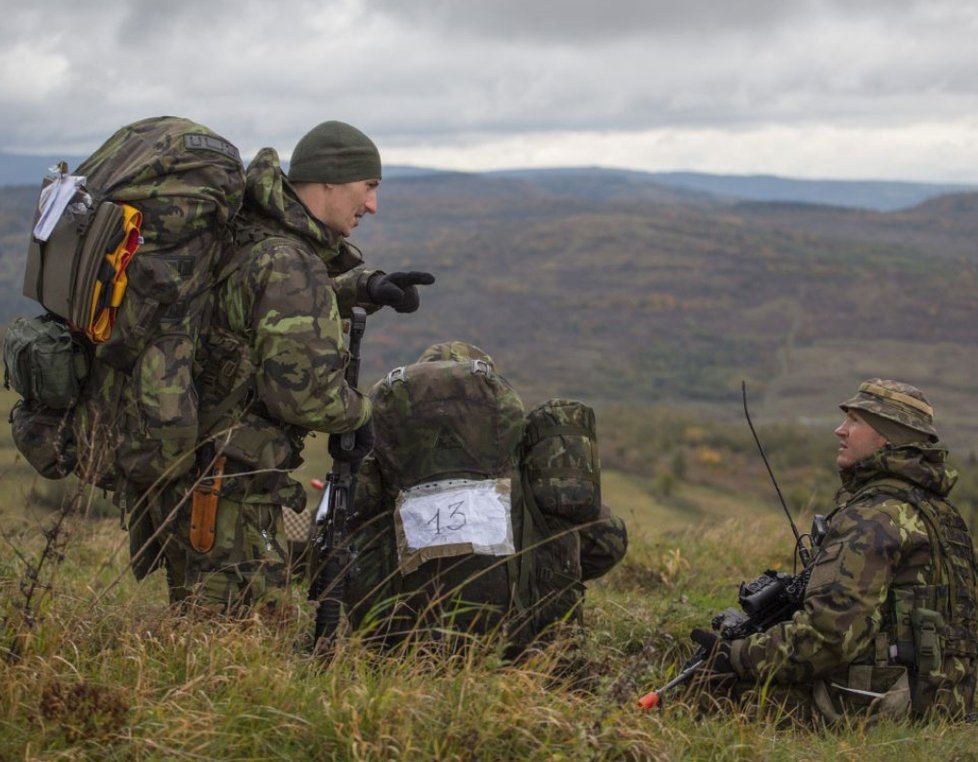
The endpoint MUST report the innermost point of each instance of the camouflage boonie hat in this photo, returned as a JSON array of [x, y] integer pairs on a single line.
[[895, 401], [458, 351]]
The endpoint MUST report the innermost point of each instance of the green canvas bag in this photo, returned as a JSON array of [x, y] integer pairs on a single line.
[[43, 362]]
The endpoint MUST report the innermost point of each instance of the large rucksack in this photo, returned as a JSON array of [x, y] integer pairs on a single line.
[[465, 511], [125, 271]]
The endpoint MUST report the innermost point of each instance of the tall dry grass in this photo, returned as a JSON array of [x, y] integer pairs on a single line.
[[107, 671], [96, 666]]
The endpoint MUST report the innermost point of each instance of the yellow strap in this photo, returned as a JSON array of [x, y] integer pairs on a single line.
[[100, 324], [906, 399]]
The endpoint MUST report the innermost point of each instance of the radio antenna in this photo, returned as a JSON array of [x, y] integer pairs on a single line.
[[803, 553]]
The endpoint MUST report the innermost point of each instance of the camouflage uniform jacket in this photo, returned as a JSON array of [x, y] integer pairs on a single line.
[[277, 322], [892, 537]]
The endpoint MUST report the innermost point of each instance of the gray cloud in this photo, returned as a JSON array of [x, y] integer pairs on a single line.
[[444, 73], [585, 21]]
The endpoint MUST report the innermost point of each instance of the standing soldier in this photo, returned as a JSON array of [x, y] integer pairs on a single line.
[[888, 622], [273, 366]]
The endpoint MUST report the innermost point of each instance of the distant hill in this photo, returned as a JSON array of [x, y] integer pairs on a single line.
[[880, 195], [627, 292], [860, 194], [614, 184]]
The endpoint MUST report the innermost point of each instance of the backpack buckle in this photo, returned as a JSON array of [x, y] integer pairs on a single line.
[[398, 374], [481, 366]]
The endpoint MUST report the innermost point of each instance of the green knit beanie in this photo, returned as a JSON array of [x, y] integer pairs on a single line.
[[334, 152]]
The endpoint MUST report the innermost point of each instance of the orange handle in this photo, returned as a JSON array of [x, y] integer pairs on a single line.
[[649, 701]]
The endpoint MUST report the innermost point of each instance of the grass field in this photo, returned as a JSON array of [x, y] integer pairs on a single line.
[[105, 671]]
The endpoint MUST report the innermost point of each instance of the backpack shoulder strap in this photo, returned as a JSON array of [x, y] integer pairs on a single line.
[[917, 497], [535, 531]]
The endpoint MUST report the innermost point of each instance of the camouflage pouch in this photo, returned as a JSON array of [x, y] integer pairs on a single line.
[[919, 615], [61, 272], [158, 406], [559, 585], [257, 443], [43, 362], [902, 625], [44, 437], [445, 419], [264, 452], [559, 455], [604, 543], [550, 586], [928, 636]]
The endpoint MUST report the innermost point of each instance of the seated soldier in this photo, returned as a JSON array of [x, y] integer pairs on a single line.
[[888, 620], [470, 517]]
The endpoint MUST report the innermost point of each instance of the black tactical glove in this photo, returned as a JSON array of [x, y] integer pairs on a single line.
[[362, 443], [398, 290], [717, 650]]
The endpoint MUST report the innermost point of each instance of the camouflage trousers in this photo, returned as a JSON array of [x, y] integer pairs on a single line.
[[247, 568]]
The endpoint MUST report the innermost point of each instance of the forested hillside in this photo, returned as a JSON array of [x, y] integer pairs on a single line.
[[676, 302], [645, 295]]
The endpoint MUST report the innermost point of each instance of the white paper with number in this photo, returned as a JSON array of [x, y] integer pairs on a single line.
[[474, 515]]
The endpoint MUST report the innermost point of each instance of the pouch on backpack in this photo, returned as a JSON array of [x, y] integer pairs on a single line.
[[443, 420], [76, 268], [43, 436], [43, 362], [560, 460]]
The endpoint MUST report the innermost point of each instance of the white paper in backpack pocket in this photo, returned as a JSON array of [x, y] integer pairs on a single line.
[[453, 517]]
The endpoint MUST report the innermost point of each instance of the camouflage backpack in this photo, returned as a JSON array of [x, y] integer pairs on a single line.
[[560, 462], [450, 533], [438, 542], [124, 267]]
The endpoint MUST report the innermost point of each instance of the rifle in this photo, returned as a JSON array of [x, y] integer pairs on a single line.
[[771, 598], [330, 552]]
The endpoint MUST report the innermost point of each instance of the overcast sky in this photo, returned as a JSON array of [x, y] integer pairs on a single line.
[[869, 89]]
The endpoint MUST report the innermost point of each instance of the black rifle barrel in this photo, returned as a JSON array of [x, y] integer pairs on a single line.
[[331, 558]]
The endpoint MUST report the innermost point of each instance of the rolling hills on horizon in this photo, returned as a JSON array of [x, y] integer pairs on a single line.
[[632, 294], [878, 195]]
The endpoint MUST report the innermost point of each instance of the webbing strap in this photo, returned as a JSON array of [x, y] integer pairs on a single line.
[[215, 415], [206, 422], [911, 494], [536, 433], [565, 472], [881, 649], [531, 517]]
